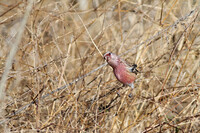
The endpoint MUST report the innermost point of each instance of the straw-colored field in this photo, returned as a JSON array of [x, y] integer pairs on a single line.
[[53, 77]]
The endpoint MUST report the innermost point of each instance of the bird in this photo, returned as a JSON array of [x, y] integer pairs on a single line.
[[124, 73]]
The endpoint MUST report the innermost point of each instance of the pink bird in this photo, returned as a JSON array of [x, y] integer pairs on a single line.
[[123, 72]]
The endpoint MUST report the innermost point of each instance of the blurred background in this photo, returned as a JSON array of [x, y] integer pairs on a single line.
[[64, 40]]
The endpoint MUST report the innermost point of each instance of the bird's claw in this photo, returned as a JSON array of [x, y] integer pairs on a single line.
[[130, 95]]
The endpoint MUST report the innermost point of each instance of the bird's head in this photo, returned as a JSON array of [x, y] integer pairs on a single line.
[[111, 58]]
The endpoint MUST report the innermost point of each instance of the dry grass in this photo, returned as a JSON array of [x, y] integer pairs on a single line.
[[62, 46]]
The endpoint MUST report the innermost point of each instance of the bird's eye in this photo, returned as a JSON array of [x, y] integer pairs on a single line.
[[107, 55]]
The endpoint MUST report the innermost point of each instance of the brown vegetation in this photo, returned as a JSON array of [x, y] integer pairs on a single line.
[[57, 80]]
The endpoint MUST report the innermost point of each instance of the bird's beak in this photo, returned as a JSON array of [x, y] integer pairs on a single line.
[[106, 58]]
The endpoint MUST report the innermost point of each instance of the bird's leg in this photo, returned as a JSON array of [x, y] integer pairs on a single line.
[[132, 87]]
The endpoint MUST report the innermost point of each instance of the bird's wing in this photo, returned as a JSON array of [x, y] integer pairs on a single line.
[[131, 69]]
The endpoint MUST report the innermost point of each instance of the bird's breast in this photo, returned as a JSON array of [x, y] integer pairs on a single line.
[[124, 76]]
